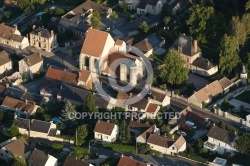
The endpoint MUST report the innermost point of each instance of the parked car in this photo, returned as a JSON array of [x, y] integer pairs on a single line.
[[244, 128], [182, 133], [185, 127]]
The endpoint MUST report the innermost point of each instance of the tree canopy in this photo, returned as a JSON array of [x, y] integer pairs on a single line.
[[19, 161], [243, 144], [144, 27], [82, 133], [228, 54], [173, 70], [124, 132], [89, 103], [68, 113], [95, 19], [25, 5]]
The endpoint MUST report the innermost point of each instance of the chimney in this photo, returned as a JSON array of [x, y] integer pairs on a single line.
[[52, 33], [195, 46], [214, 124], [180, 48], [26, 101], [33, 27]]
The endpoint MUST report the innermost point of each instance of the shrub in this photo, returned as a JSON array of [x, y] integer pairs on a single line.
[[57, 146]]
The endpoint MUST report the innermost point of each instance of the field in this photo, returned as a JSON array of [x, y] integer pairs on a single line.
[[244, 97]]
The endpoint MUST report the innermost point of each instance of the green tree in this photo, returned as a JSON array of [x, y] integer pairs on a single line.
[[89, 103], [174, 71], [41, 115], [197, 21], [95, 19], [222, 125], [40, 2], [165, 128], [57, 146], [114, 15], [144, 27], [7, 14], [68, 114], [143, 148], [166, 20], [82, 133], [19, 161], [25, 5], [56, 11], [238, 30], [243, 144], [247, 5], [14, 131], [228, 54], [124, 132], [124, 6]]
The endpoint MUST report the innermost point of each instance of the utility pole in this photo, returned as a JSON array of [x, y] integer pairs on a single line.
[[135, 146], [89, 146], [76, 138]]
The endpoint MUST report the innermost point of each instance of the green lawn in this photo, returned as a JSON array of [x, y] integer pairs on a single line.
[[244, 97], [194, 157], [118, 147]]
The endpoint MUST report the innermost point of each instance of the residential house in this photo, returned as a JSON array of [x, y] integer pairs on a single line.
[[159, 97], [74, 161], [150, 44], [143, 137], [166, 145], [76, 19], [10, 3], [12, 37], [39, 158], [103, 101], [85, 79], [30, 65], [137, 128], [24, 95], [5, 63], [37, 129], [152, 111], [43, 39], [205, 95], [188, 48], [18, 148], [204, 67], [14, 79], [99, 51], [129, 161], [226, 84], [105, 131], [221, 141], [24, 107]]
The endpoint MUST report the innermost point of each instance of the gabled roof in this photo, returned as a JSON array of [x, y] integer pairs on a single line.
[[152, 108], [158, 94], [88, 5], [186, 42], [221, 135], [18, 147], [72, 93], [94, 42], [118, 42], [84, 75], [41, 32], [129, 161], [138, 126], [37, 157], [160, 141], [180, 142], [197, 118], [141, 104], [144, 45], [183, 114], [4, 58], [104, 127], [149, 131], [18, 104], [62, 75], [9, 33], [225, 82], [144, 3], [33, 59], [73, 161], [100, 101], [203, 64]]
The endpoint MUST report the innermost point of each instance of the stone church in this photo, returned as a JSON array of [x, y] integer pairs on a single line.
[[100, 54]]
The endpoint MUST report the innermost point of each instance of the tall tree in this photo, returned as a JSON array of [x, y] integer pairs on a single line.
[[68, 114], [144, 27], [197, 21], [124, 132], [243, 144], [174, 71], [89, 103], [238, 30], [14, 131], [228, 54], [82, 133], [19, 161], [95, 19], [248, 5]]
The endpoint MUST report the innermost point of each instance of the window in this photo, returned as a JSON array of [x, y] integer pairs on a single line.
[[173, 148], [44, 39], [33, 37], [33, 42]]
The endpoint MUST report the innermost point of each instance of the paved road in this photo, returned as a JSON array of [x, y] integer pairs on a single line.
[[159, 161], [181, 104]]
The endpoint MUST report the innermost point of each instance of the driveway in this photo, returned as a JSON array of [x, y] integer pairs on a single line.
[[198, 81], [199, 133]]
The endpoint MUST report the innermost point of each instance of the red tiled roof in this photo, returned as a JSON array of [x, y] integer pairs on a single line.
[[129, 161], [152, 108]]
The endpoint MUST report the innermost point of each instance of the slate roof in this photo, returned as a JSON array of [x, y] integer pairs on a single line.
[[41, 32], [144, 3], [203, 64], [18, 147], [138, 126], [37, 158], [187, 45], [142, 104], [73, 161], [33, 59], [221, 135], [104, 127], [100, 101], [147, 133], [4, 58]]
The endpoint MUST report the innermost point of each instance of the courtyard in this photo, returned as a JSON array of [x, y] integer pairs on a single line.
[[244, 97]]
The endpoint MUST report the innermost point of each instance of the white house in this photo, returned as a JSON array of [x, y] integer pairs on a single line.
[[166, 145], [105, 131], [39, 158], [18, 147], [204, 67], [221, 140]]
